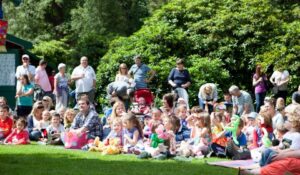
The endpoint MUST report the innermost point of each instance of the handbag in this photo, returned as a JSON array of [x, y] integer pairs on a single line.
[[75, 141]]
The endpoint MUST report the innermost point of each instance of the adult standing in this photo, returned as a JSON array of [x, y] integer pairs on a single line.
[[242, 101], [41, 78], [280, 79], [140, 73], [179, 78], [87, 120], [25, 69], [61, 88], [208, 96], [34, 120], [24, 96], [85, 79], [260, 87]]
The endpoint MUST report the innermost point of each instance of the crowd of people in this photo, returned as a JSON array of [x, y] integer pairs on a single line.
[[224, 127]]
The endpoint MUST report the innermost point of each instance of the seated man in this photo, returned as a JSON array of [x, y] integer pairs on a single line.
[[87, 120]]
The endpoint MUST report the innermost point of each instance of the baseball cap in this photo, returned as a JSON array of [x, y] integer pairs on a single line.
[[252, 115]]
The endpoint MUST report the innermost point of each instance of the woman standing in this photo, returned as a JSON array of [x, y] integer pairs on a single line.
[[179, 78], [61, 89], [34, 121], [24, 97], [280, 79], [259, 83]]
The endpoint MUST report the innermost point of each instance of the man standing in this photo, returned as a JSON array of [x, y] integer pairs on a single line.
[[41, 78], [25, 69], [140, 71], [242, 101], [87, 120], [85, 79]]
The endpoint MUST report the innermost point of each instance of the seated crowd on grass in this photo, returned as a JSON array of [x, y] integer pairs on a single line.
[[231, 127]]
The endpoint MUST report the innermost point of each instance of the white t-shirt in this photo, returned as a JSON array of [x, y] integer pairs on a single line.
[[59, 129], [279, 77], [277, 120], [84, 84], [21, 70], [292, 139]]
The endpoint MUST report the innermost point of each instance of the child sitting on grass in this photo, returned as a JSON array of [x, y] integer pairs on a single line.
[[54, 130], [19, 135], [116, 132], [184, 131], [133, 132], [68, 118], [6, 123]]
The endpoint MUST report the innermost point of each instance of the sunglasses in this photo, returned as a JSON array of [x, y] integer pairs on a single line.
[[40, 107], [45, 100], [25, 59], [123, 67]]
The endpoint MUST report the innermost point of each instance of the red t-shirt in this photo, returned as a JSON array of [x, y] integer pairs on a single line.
[[16, 137], [6, 127]]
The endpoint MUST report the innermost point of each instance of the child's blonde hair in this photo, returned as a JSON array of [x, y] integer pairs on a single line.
[[293, 114], [69, 112], [114, 109]]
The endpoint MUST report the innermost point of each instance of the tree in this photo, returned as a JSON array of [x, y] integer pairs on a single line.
[[222, 41]]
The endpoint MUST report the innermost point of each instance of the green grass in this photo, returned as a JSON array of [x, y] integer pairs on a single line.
[[38, 159]]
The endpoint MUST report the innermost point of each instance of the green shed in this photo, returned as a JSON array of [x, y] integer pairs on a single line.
[[9, 61]]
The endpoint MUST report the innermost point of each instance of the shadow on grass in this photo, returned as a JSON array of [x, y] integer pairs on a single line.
[[64, 164]]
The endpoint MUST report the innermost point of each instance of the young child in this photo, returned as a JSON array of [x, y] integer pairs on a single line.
[[142, 107], [184, 131], [45, 122], [148, 122], [202, 136], [250, 127], [117, 112], [218, 127], [236, 151], [133, 132], [19, 135], [68, 118], [6, 123], [171, 125], [264, 121], [54, 130], [116, 132]]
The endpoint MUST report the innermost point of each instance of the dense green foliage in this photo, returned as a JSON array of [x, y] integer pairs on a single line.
[[64, 30], [37, 159], [222, 41]]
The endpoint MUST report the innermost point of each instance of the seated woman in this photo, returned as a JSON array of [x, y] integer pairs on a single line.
[[34, 120]]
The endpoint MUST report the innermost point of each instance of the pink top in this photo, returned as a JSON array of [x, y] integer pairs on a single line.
[[261, 86], [42, 79]]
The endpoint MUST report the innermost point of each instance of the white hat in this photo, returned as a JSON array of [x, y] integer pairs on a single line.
[[61, 65], [25, 56]]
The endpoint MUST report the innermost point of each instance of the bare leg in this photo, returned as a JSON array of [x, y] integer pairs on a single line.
[[252, 171]]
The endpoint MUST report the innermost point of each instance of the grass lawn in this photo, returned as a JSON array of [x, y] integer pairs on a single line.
[[38, 159]]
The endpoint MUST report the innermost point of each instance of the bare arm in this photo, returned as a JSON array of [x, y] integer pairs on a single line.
[[134, 140]]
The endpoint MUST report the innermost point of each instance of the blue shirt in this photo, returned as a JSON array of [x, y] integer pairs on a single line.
[[140, 75], [26, 100], [179, 77], [241, 138]]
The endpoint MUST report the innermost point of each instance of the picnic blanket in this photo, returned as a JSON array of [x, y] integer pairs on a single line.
[[237, 164]]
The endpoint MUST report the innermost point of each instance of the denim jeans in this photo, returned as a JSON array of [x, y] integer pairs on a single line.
[[266, 157], [202, 106], [259, 99], [35, 135]]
